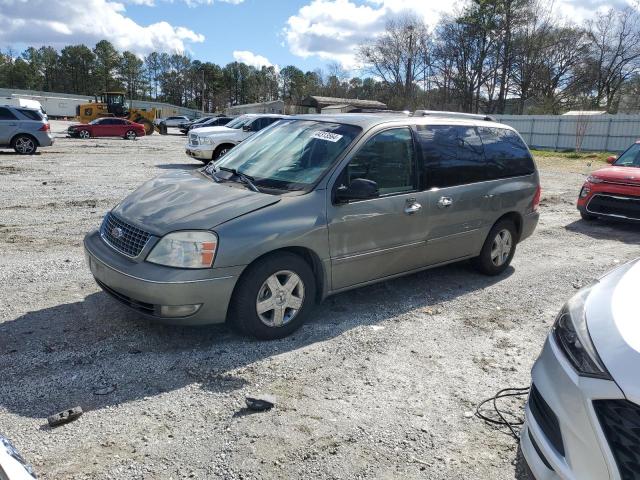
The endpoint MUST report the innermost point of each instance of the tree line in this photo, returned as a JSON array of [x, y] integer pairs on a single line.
[[493, 56]]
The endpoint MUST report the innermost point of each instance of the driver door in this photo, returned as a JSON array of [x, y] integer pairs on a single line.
[[381, 236]]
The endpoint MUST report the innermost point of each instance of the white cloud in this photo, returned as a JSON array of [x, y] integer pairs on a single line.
[[189, 3], [250, 58], [333, 29], [64, 22]]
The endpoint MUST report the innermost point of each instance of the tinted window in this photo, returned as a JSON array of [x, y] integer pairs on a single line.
[[630, 158], [451, 155], [506, 153], [6, 114], [388, 160], [118, 122], [31, 114]]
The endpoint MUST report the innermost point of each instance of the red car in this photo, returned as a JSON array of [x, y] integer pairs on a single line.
[[107, 127], [613, 191]]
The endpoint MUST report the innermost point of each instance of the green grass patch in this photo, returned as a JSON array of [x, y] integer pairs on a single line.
[[598, 156]]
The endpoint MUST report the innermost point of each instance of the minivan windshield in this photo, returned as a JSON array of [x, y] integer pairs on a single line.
[[630, 158], [290, 154]]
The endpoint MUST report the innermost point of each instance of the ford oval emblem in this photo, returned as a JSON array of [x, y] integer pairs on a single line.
[[117, 233]]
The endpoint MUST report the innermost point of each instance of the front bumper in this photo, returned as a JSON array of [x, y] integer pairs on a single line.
[[201, 152], [585, 452], [615, 201], [145, 287]]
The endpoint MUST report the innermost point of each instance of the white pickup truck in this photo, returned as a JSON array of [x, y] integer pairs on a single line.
[[210, 143]]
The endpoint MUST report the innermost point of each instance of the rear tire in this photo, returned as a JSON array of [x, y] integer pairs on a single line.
[[24, 145], [273, 297], [130, 135], [587, 217], [148, 126], [498, 249]]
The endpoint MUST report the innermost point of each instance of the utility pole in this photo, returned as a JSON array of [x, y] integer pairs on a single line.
[[203, 91], [409, 76]]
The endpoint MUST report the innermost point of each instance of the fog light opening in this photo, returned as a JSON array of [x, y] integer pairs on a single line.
[[176, 311]]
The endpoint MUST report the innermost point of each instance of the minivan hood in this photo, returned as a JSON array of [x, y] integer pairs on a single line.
[[188, 200], [613, 320], [619, 174]]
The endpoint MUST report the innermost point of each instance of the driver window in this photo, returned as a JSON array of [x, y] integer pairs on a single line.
[[388, 160]]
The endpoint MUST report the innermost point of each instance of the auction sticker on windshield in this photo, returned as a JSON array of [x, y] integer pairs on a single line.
[[330, 137]]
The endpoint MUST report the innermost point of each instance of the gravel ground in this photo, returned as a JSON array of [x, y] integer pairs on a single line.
[[380, 384]]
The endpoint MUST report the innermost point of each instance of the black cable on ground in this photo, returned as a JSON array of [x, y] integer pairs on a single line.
[[501, 420]]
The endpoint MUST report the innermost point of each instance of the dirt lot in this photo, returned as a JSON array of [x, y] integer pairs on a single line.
[[379, 385]]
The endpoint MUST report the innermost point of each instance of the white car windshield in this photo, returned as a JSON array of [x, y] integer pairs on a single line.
[[238, 122], [290, 154]]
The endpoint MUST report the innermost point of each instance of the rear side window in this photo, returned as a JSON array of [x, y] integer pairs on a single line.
[[506, 153], [30, 114], [451, 155], [6, 114]]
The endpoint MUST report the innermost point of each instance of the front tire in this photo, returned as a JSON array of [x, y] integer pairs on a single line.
[[273, 297], [587, 217], [220, 151], [24, 145], [498, 249], [84, 134]]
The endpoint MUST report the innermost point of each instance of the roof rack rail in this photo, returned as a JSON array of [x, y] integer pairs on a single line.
[[436, 113]]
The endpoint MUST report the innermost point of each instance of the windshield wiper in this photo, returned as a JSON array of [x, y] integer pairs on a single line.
[[246, 179]]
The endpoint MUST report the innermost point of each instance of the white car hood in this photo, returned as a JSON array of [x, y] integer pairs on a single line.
[[613, 320], [210, 130]]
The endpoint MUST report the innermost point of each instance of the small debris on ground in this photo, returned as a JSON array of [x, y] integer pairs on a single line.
[[260, 403], [65, 416]]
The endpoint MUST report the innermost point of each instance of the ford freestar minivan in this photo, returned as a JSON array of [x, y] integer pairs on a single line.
[[314, 205]]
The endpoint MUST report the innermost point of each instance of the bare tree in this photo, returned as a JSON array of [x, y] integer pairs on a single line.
[[398, 55]]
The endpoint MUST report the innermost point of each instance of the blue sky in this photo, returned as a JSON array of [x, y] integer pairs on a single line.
[[305, 33]]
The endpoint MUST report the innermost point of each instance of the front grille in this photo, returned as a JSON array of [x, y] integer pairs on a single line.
[[546, 419], [615, 205], [620, 421], [142, 307], [123, 237], [193, 139]]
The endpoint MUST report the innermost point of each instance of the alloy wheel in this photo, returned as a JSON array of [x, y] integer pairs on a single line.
[[25, 145], [501, 247], [280, 298]]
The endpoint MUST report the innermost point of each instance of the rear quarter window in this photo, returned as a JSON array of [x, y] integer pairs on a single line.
[[31, 114], [6, 114], [506, 153]]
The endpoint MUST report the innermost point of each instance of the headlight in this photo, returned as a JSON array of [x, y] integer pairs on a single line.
[[585, 191], [592, 179], [572, 335], [185, 250], [205, 141]]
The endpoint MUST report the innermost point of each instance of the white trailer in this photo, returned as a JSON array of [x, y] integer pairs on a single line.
[[53, 106]]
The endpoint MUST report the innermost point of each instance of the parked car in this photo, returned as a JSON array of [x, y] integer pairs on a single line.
[[187, 123], [12, 465], [107, 127], [24, 129], [208, 122], [210, 143], [312, 206], [174, 121], [582, 419], [613, 192]]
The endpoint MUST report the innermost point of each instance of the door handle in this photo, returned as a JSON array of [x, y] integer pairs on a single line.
[[412, 207], [445, 202]]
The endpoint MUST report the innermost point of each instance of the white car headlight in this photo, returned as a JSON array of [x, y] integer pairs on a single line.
[[195, 249], [205, 140], [592, 179]]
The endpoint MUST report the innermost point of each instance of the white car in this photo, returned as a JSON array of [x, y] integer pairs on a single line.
[[210, 143], [12, 465], [582, 419], [172, 121]]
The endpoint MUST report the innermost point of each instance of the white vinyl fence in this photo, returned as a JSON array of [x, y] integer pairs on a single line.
[[612, 133]]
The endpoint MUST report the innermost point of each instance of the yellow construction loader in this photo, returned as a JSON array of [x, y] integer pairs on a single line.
[[112, 104]]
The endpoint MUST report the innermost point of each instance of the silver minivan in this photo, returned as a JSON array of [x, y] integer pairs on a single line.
[[315, 205]]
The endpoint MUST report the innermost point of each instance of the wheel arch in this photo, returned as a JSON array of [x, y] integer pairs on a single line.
[[24, 134], [309, 256], [514, 217]]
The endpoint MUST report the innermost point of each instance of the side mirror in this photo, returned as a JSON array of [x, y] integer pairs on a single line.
[[359, 189], [611, 159]]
